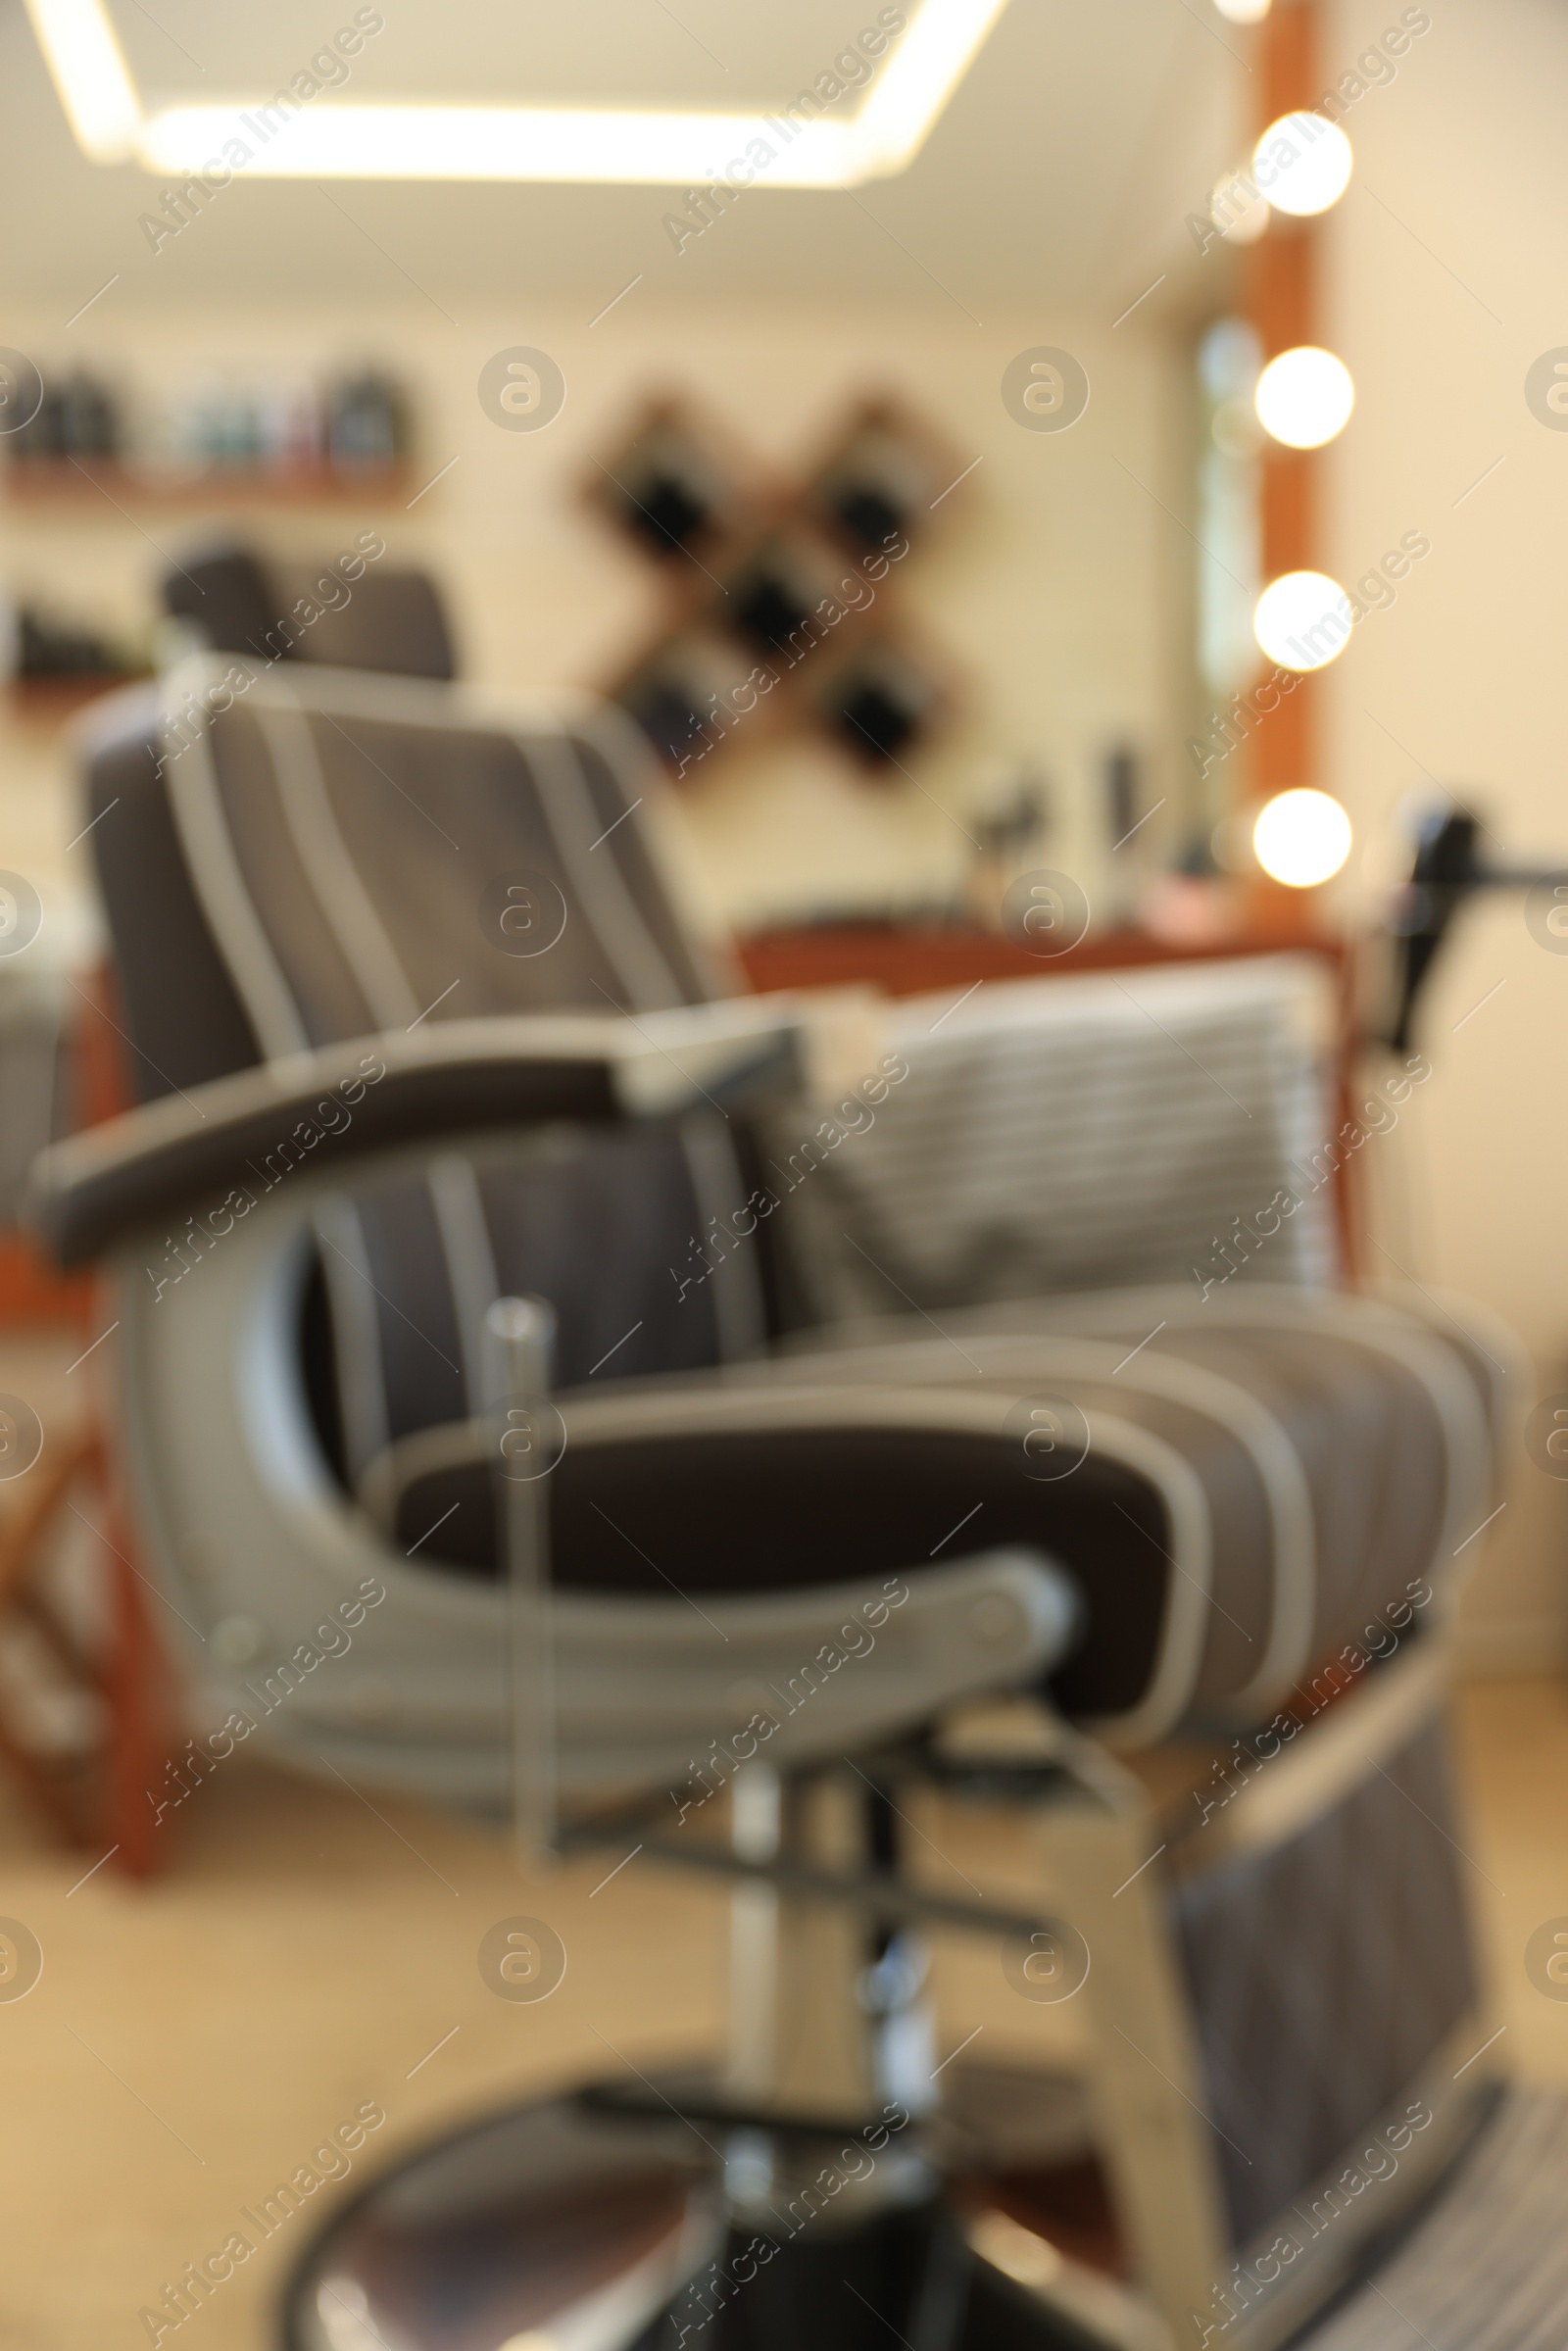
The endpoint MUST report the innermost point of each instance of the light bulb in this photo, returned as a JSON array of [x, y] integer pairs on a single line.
[[1305, 396], [1302, 620], [1303, 164], [1302, 837], [1243, 12]]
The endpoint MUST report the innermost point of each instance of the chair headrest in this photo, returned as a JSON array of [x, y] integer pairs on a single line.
[[226, 596], [235, 600]]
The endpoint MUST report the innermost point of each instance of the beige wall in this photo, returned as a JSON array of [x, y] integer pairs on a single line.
[[1447, 280], [1057, 584]]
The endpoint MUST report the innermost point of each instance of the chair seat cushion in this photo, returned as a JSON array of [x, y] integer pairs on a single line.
[[1342, 1445], [1244, 1489]]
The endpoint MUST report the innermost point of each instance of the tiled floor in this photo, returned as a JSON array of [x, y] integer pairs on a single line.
[[191, 2042], [1514, 1746]]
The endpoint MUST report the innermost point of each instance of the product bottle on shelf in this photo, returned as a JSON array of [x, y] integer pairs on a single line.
[[89, 417], [290, 422], [366, 422]]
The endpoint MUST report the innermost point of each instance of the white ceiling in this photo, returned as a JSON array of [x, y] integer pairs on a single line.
[[1062, 170]]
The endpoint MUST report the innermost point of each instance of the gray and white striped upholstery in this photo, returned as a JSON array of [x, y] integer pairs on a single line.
[[345, 837], [1324, 1971], [1307, 1456], [1269, 1464], [592, 1220], [343, 831], [34, 1016], [1106, 1128], [1486, 2267], [1268, 1475]]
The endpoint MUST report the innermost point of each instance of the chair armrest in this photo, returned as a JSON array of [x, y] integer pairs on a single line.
[[373, 1092]]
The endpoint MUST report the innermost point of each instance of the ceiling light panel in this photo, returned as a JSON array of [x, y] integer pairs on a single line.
[[852, 110]]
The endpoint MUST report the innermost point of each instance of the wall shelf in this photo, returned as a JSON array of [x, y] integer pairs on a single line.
[[50, 701], [91, 481]]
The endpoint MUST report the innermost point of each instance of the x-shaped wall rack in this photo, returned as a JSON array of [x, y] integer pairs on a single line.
[[782, 592]]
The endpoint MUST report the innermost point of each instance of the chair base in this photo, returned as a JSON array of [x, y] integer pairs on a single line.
[[643, 2218], [653, 2219]]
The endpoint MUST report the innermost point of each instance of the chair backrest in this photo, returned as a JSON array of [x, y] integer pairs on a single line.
[[342, 614], [181, 1014], [294, 856], [390, 620], [34, 1074]]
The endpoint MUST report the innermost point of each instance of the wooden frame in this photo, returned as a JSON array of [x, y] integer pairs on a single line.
[[101, 1800]]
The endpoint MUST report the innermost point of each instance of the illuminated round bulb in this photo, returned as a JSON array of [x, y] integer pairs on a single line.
[[1243, 12], [1303, 164], [1305, 396], [1302, 620], [1302, 837]]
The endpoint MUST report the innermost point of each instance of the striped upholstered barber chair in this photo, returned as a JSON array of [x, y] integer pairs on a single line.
[[1136, 1599], [348, 612]]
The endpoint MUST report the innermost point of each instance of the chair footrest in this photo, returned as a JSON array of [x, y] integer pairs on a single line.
[[1486, 2267]]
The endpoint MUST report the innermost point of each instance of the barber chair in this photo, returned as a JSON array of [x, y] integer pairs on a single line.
[[348, 612], [443, 1105]]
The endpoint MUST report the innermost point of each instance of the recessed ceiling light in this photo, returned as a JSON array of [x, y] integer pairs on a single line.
[[638, 145]]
